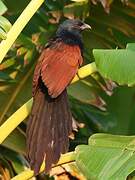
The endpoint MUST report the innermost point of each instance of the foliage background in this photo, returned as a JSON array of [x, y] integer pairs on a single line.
[[94, 101]]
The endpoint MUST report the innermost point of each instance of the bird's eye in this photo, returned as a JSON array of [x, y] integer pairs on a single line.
[[80, 23]]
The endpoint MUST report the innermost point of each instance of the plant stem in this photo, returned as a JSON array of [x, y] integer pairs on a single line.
[[85, 71], [15, 93], [18, 26], [27, 174], [11, 123]]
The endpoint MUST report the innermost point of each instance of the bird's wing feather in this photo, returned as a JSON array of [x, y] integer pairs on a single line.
[[37, 72], [59, 66]]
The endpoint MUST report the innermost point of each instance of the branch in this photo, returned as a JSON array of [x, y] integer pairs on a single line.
[[18, 26], [27, 174], [11, 123], [85, 71]]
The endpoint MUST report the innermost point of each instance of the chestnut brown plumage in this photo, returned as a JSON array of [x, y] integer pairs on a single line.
[[50, 121]]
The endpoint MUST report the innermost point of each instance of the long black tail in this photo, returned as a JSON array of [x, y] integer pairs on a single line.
[[48, 128]]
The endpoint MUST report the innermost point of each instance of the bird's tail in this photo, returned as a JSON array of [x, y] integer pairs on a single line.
[[48, 128]]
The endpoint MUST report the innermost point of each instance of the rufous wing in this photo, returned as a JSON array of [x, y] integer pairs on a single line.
[[59, 66]]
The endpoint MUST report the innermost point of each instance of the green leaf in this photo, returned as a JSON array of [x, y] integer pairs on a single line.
[[7, 63], [3, 8], [93, 118], [122, 105], [107, 157], [16, 142], [5, 24], [25, 40], [2, 34], [15, 7], [4, 76], [117, 65], [79, 8], [18, 162], [131, 46], [82, 91]]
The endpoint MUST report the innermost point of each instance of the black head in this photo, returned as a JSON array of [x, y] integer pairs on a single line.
[[72, 26], [70, 31]]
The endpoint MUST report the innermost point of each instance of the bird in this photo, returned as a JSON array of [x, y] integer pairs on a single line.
[[50, 120]]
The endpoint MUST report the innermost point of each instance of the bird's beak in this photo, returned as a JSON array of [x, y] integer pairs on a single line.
[[85, 26]]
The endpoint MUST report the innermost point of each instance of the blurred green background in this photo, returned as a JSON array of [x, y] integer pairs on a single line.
[[95, 102]]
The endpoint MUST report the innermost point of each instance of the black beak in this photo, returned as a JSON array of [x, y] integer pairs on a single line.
[[85, 26]]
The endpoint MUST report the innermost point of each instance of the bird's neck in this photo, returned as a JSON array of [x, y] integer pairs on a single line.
[[71, 38]]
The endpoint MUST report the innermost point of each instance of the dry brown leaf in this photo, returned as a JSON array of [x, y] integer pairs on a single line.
[[99, 103], [4, 173], [106, 3]]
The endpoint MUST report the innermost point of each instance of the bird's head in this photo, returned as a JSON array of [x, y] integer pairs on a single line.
[[73, 26]]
